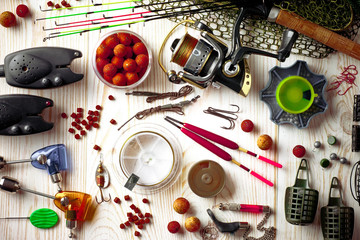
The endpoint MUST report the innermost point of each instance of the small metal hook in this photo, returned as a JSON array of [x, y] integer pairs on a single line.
[[231, 115], [45, 10], [102, 197]]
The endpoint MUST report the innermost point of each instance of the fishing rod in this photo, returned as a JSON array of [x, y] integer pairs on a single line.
[[106, 10], [93, 21], [81, 31], [89, 5]]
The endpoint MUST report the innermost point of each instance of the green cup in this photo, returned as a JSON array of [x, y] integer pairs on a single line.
[[295, 94]]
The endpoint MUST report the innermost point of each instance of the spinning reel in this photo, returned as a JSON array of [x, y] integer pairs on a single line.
[[206, 61]]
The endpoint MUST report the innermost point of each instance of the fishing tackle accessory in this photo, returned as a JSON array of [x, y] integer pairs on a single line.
[[208, 59], [176, 107], [39, 68], [41, 218], [337, 220], [102, 179], [300, 200], [20, 114], [355, 182], [229, 115], [227, 227], [355, 138], [152, 96], [51, 158]]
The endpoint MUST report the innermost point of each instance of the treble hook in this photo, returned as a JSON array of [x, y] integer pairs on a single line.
[[102, 197], [102, 180], [231, 115]]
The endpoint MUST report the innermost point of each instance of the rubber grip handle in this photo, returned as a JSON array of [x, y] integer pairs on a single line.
[[270, 161], [212, 136], [208, 145], [261, 178], [318, 33]]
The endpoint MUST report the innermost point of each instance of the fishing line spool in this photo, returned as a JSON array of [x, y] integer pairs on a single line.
[[207, 59]]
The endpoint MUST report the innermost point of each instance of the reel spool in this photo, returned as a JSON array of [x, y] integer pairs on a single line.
[[208, 59]]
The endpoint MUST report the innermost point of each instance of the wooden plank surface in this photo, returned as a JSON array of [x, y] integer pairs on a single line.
[[240, 187]]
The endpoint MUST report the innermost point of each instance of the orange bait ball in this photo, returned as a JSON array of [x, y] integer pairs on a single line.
[[264, 142]]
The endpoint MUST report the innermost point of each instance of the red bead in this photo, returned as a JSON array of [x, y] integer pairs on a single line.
[[127, 198], [95, 125], [64, 115], [79, 110], [77, 120], [57, 5], [97, 148], [78, 127], [122, 226], [79, 115], [73, 115], [90, 112], [135, 218], [136, 210], [111, 97], [137, 222], [91, 123], [67, 5], [74, 124], [113, 121], [140, 226], [130, 219], [89, 118], [64, 3], [83, 122], [71, 130], [88, 127], [145, 200], [141, 215], [96, 113], [147, 220], [129, 214], [299, 151], [247, 125], [50, 4], [142, 221], [95, 119], [98, 107], [132, 206], [147, 215], [82, 132], [137, 234], [127, 223], [77, 136], [116, 200]]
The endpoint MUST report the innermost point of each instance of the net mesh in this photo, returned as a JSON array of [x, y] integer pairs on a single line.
[[261, 34]]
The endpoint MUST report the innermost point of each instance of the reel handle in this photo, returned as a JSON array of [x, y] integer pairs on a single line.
[[288, 40]]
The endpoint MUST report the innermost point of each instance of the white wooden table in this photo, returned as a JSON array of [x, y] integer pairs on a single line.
[[240, 187]]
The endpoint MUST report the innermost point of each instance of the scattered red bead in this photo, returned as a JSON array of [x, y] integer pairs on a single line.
[[79, 110], [111, 97], [147, 215], [64, 3], [132, 206], [97, 148], [50, 4], [137, 234], [141, 215], [78, 127], [98, 107], [96, 113], [95, 125], [77, 136], [299, 151], [127, 198], [116, 200], [136, 210], [113, 121], [247, 125], [137, 222], [64, 115], [145, 200], [77, 120], [142, 221], [91, 123], [89, 118], [88, 127], [79, 115], [71, 130], [127, 223], [73, 115], [57, 5], [95, 119], [90, 112], [140, 226], [82, 132], [129, 214], [147, 220], [83, 122], [74, 124], [135, 218], [122, 226]]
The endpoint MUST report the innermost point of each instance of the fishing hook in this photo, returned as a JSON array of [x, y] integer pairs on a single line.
[[231, 115]]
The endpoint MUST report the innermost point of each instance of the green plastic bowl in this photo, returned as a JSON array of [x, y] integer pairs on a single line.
[[295, 94]]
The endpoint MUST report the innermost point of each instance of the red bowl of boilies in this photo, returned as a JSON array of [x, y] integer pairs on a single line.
[[122, 59]]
